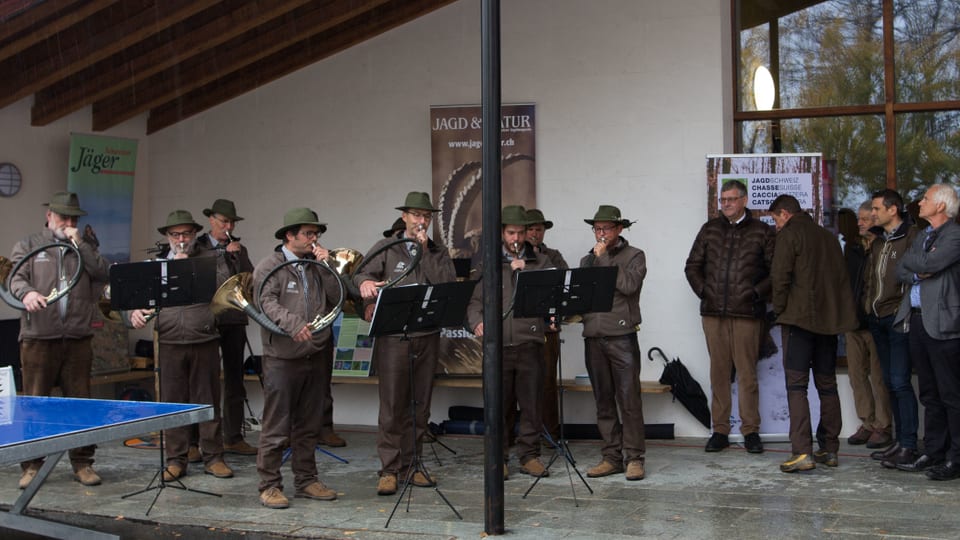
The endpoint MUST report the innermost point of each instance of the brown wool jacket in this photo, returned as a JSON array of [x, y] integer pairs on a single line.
[[624, 318], [811, 286]]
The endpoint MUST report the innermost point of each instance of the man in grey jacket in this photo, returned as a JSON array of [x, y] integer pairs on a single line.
[[613, 351], [930, 312], [55, 340]]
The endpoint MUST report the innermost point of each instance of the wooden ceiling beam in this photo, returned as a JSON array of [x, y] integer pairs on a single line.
[[79, 54], [273, 67], [100, 80], [32, 26], [225, 59]]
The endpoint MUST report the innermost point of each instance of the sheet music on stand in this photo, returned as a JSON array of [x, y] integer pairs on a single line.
[[554, 292], [162, 283], [409, 308]]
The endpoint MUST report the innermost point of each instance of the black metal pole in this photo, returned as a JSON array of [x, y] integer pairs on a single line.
[[492, 280]]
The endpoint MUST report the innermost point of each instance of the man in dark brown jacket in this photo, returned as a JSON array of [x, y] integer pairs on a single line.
[[729, 270], [55, 340], [188, 359], [551, 349], [522, 343], [813, 303], [296, 365], [613, 351], [392, 353]]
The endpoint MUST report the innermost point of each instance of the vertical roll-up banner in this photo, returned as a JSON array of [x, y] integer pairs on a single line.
[[766, 177], [455, 152], [101, 172]]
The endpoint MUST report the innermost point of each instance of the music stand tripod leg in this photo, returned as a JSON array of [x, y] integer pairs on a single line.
[[417, 464]]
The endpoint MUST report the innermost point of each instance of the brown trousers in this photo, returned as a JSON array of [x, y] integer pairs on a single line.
[[805, 351], [522, 379], [613, 364], [190, 373], [397, 444], [870, 395], [293, 397], [550, 402], [48, 363], [733, 342]]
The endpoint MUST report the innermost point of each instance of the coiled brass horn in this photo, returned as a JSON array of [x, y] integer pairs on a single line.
[[8, 270]]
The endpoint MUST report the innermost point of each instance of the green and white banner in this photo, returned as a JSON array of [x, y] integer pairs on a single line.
[[101, 172]]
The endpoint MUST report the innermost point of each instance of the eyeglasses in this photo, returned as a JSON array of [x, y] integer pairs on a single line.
[[186, 234], [311, 234], [421, 215], [725, 200], [223, 220], [604, 229]]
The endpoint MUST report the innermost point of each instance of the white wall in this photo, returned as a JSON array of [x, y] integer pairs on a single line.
[[630, 95]]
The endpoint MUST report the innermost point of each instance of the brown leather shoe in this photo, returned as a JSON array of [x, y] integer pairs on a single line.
[[387, 485], [635, 470], [240, 448], [604, 468], [274, 498], [534, 467], [27, 476], [860, 437], [421, 480], [173, 471], [879, 439], [332, 440], [194, 455], [87, 476], [219, 469], [317, 491]]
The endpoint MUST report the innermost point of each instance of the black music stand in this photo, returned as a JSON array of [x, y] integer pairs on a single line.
[[401, 310], [559, 293], [156, 285]]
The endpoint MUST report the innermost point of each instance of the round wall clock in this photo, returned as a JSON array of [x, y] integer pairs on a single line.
[[10, 179]]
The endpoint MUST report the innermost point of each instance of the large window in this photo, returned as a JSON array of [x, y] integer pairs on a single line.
[[872, 84]]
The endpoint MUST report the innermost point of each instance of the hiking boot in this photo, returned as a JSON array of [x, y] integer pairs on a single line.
[[332, 440], [887, 453], [635, 470], [27, 475], [879, 439], [387, 484], [827, 458], [173, 471], [534, 467], [798, 462], [860, 437], [241, 448], [604, 468], [87, 476], [752, 442], [422, 480], [219, 469], [194, 455], [317, 491], [274, 498], [717, 442]]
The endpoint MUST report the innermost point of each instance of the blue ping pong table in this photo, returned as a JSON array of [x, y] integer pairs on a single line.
[[34, 427]]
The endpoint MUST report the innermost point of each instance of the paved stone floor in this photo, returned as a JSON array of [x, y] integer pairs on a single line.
[[687, 494]]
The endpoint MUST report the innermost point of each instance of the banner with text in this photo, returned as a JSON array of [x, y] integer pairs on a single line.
[[766, 177], [455, 136], [101, 172]]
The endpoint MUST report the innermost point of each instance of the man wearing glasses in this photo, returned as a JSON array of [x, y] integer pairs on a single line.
[[729, 270], [232, 259], [188, 359], [613, 351], [392, 352]]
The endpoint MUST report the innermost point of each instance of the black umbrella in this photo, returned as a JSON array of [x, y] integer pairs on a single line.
[[684, 387]]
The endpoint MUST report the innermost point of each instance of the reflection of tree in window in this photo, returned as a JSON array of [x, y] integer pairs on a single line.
[[829, 64]]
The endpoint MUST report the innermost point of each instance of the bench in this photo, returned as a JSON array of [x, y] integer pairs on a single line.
[[646, 387]]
